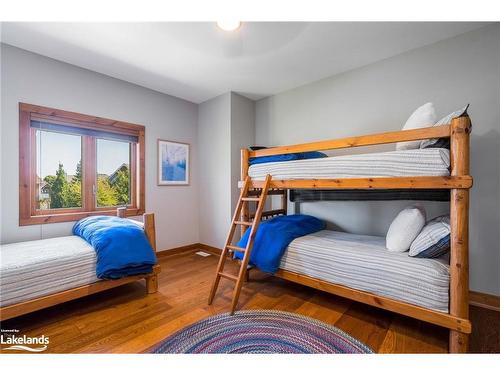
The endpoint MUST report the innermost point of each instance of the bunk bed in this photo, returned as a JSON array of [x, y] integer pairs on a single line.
[[425, 174], [48, 272]]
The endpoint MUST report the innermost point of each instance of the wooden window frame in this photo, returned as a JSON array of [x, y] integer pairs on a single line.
[[28, 212]]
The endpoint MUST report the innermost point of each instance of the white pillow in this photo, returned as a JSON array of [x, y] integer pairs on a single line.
[[422, 117], [405, 228]]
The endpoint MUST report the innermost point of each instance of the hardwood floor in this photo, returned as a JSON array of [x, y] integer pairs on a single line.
[[127, 320]]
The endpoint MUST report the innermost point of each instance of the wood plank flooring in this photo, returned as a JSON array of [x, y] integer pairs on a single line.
[[127, 320]]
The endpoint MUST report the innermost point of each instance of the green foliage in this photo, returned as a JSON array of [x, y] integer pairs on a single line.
[[113, 191], [72, 194], [57, 188], [78, 174], [121, 185], [64, 194], [106, 195], [49, 180]]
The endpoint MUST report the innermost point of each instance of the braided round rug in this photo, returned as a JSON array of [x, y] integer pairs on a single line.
[[260, 331]]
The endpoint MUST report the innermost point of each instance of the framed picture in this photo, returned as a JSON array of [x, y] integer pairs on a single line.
[[173, 163]]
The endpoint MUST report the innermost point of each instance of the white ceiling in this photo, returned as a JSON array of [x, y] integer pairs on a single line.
[[197, 61]]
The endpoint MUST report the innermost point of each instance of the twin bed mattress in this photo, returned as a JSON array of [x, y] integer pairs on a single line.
[[34, 269], [419, 162], [363, 262]]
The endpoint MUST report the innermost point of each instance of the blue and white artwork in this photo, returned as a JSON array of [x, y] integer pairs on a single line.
[[173, 163]]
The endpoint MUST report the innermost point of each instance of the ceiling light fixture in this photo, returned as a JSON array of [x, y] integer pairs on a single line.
[[228, 25]]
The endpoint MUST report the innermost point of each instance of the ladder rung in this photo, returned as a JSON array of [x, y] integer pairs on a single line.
[[236, 248], [228, 276], [247, 223], [251, 199], [269, 192]]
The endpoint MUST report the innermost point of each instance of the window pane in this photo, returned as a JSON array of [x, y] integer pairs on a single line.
[[113, 173], [58, 166]]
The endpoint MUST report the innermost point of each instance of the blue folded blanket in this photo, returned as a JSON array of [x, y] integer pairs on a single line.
[[287, 157], [274, 236], [122, 247]]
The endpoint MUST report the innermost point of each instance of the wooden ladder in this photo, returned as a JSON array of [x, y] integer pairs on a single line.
[[254, 224]]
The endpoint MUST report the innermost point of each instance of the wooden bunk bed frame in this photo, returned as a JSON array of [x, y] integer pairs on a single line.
[[459, 182], [21, 308]]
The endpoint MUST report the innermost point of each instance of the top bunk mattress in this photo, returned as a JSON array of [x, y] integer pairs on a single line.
[[363, 262], [419, 162], [34, 269]]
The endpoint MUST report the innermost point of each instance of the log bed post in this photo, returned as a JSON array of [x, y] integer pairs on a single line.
[[459, 222], [245, 208], [245, 211], [121, 212], [284, 201], [150, 231]]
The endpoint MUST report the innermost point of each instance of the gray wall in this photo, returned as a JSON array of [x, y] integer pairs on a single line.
[[214, 134], [31, 78], [380, 97], [226, 124], [242, 135]]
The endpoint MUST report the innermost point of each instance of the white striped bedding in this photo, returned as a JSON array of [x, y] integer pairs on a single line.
[[362, 262], [34, 269], [419, 162]]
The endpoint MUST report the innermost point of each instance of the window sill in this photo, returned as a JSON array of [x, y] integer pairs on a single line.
[[73, 216]]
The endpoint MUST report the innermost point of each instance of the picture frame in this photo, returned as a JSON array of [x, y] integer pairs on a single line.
[[173, 163]]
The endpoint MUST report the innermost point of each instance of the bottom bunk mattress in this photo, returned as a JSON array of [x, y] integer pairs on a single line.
[[35, 269], [363, 262]]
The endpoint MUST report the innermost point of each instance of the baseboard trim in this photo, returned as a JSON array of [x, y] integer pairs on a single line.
[[478, 299], [486, 301], [178, 250]]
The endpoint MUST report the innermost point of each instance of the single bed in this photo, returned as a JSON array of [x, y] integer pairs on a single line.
[[363, 263], [34, 269], [418, 162], [43, 273]]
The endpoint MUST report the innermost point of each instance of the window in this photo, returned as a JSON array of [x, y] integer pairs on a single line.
[[113, 173], [74, 165], [58, 180]]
